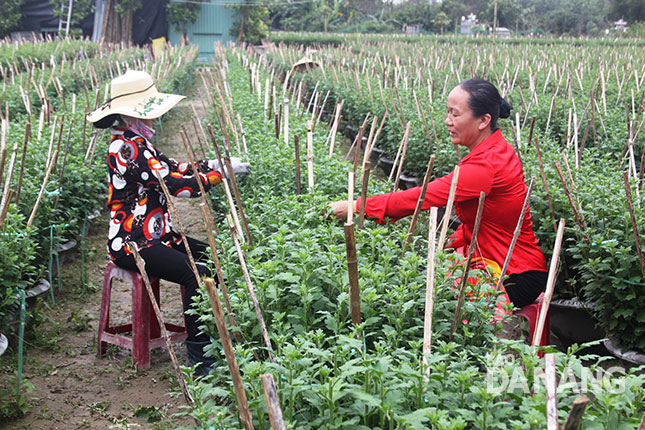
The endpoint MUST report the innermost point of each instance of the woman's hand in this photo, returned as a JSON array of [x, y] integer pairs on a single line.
[[340, 209]]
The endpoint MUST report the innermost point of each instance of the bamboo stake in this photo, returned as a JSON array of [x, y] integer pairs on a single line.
[[366, 179], [141, 265], [406, 139], [251, 289], [551, 395], [546, 187], [446, 216], [286, 122], [23, 160], [575, 414], [310, 156], [352, 269], [297, 152], [7, 181], [471, 252], [4, 124], [273, 403], [637, 240], [576, 214], [4, 209], [550, 284], [421, 199], [350, 197], [642, 424], [334, 127], [429, 305], [229, 353]]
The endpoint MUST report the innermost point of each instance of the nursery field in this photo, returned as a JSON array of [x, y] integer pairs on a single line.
[[357, 329]]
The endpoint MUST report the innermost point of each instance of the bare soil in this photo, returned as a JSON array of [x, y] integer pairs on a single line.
[[75, 389]]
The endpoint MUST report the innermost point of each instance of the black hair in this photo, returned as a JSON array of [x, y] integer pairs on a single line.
[[485, 99], [108, 121]]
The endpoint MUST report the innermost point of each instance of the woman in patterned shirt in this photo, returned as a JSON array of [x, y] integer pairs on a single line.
[[138, 208]]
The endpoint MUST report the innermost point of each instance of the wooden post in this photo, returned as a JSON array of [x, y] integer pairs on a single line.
[[310, 156], [352, 268], [249, 284], [637, 240], [550, 284], [52, 161], [516, 235], [297, 148], [575, 414], [427, 321], [446, 216], [551, 392], [420, 201], [273, 403], [229, 353], [406, 139], [464, 277], [141, 265], [366, 180]]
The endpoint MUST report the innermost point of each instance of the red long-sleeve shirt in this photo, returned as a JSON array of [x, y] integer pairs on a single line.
[[491, 167]]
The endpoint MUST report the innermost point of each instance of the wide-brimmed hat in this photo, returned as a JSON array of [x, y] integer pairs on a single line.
[[134, 94]]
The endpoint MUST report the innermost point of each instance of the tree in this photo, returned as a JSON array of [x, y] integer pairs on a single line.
[[252, 25], [117, 26], [80, 10], [441, 21], [180, 14], [9, 16], [629, 10], [509, 13]]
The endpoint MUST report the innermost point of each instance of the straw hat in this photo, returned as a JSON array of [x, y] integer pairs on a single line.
[[134, 94]]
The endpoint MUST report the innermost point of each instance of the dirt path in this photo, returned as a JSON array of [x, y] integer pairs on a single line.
[[73, 388]]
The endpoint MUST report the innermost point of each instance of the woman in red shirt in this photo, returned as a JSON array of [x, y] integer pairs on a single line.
[[492, 167]]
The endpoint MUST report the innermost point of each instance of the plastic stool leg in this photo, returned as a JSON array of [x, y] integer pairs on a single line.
[[140, 324], [104, 319], [155, 330]]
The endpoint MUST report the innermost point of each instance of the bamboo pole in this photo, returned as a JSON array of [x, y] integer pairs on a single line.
[[273, 403], [334, 127], [575, 414], [310, 156], [420, 200], [42, 188], [551, 392], [4, 209], [429, 304], [642, 424], [550, 284], [296, 144], [141, 265], [352, 269], [464, 277], [516, 234], [446, 216], [249, 284], [229, 353], [3, 146], [544, 184], [637, 240], [7, 182], [23, 160], [576, 214], [366, 180], [406, 139], [350, 197]]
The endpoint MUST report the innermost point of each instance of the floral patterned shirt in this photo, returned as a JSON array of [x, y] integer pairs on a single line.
[[138, 207]]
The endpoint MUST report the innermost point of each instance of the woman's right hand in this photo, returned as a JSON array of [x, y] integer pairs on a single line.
[[339, 209]]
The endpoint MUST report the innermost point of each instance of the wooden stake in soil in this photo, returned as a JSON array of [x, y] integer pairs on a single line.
[[297, 152], [575, 414], [576, 214], [516, 235], [229, 353], [637, 240], [446, 216], [464, 277], [406, 139], [249, 284], [310, 156], [551, 395], [550, 284], [427, 321], [273, 403], [141, 265], [366, 180], [23, 160], [546, 187], [4, 209], [352, 269], [52, 161], [417, 209]]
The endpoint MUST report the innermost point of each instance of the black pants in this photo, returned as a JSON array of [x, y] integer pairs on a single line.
[[172, 264], [523, 288]]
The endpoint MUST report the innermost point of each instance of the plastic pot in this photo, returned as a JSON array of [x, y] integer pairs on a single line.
[[635, 358], [572, 322]]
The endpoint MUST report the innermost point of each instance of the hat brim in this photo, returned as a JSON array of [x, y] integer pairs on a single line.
[[143, 106]]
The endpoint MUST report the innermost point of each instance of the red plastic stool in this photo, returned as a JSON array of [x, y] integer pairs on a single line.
[[146, 333], [531, 313]]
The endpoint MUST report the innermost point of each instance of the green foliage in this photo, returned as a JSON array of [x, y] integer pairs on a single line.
[[180, 14], [253, 20], [80, 10], [10, 16]]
